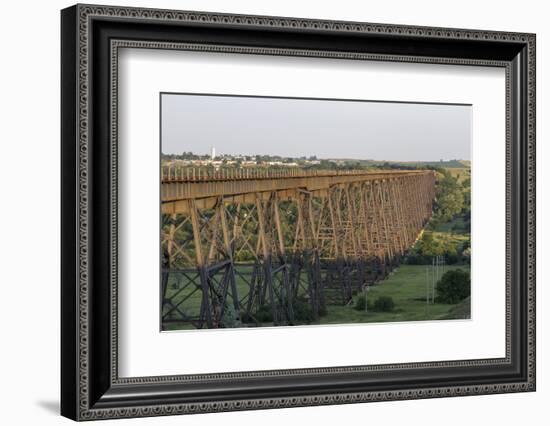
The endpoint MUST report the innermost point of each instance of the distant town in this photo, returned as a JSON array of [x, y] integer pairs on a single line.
[[217, 161]]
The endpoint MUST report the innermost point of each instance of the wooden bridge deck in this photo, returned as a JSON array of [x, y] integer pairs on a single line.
[[241, 186]]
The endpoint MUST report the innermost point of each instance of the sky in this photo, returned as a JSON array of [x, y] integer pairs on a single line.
[[324, 128]]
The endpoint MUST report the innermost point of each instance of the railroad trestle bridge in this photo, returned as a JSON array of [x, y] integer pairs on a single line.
[[237, 244]]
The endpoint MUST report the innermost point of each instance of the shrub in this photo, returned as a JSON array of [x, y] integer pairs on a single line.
[[264, 314], [323, 310], [361, 302], [417, 259], [451, 258], [230, 318], [303, 312], [453, 286], [384, 304]]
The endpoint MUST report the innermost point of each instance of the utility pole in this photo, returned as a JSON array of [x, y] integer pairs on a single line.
[[433, 278], [427, 289]]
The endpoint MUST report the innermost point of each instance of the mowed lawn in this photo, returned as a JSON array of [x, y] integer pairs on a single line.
[[407, 287]]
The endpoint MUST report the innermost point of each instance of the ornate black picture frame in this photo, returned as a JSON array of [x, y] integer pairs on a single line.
[[90, 38]]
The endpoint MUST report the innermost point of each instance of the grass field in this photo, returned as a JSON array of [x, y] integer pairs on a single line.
[[407, 287], [193, 296]]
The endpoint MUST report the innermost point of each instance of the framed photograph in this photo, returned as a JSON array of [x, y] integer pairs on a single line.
[[263, 212]]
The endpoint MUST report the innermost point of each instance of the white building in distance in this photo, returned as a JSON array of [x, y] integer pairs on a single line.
[[213, 153]]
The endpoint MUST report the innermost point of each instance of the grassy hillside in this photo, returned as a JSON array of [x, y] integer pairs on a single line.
[[407, 287]]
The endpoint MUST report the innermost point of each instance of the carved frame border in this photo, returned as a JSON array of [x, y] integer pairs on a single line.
[[85, 13]]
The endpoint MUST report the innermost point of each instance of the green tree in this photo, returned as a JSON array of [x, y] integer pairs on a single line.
[[450, 197], [361, 302], [429, 246], [467, 191], [453, 286], [384, 304]]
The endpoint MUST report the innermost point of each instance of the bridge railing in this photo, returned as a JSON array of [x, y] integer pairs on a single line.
[[198, 174]]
